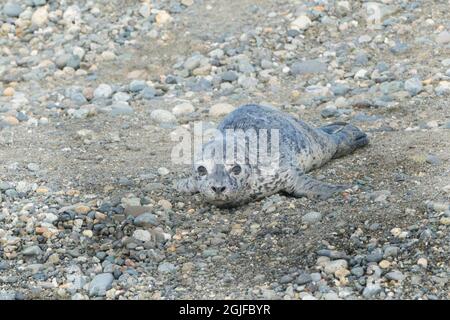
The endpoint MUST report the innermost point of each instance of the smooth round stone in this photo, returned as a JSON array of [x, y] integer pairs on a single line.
[[229, 76], [162, 116], [32, 251], [443, 37], [142, 235], [137, 85], [312, 217], [121, 96], [9, 92], [301, 23], [73, 62], [395, 275], [309, 66], [148, 93], [166, 267], [38, 3], [121, 108], [103, 91], [413, 86], [145, 220], [61, 60], [12, 9], [100, 284], [221, 109], [183, 108], [40, 17]]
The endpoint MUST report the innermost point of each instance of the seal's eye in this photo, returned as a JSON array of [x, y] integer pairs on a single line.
[[202, 171], [236, 169]]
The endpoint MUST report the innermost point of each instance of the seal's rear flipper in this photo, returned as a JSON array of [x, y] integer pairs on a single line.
[[302, 185], [347, 136]]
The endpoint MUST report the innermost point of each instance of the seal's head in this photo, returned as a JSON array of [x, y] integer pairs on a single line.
[[222, 178], [221, 184]]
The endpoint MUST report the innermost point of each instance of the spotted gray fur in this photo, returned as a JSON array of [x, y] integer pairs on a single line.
[[302, 149]]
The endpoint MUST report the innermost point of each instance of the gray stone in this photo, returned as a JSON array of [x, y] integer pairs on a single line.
[[443, 37], [371, 290], [12, 9], [286, 279], [391, 251], [121, 108], [7, 295], [100, 284], [137, 85], [146, 219], [229, 76], [308, 66], [73, 61], [103, 91], [32, 251], [166, 267], [413, 86], [395, 275], [312, 217], [303, 278], [162, 116], [375, 256], [357, 271]]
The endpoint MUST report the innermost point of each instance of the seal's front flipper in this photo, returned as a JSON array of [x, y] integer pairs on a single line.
[[187, 185], [302, 185]]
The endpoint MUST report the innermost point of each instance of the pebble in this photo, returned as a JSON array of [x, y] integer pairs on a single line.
[[312, 217], [9, 92], [220, 109], [100, 284], [121, 108], [301, 23], [142, 235], [307, 67], [183, 108], [395, 275], [12, 9], [443, 37], [332, 266], [166, 267], [32, 251], [162, 116], [40, 17], [103, 91], [422, 262], [413, 86], [146, 220]]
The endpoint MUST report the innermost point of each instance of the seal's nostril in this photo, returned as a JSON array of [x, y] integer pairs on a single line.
[[218, 189]]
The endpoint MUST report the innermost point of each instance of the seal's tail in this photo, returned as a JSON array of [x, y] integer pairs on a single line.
[[347, 136]]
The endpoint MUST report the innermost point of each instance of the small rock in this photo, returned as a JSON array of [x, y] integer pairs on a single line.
[[183, 108], [103, 91], [301, 23], [413, 86], [142, 235], [12, 9], [220, 109], [395, 275], [332, 266], [162, 116], [312, 217], [100, 284]]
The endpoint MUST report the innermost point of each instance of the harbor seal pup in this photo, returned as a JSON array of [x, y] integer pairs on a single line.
[[301, 148]]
